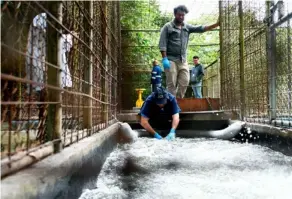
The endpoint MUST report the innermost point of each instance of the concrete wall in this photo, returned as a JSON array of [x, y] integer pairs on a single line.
[[276, 138], [66, 174]]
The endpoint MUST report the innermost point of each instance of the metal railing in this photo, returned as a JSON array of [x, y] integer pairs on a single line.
[[211, 80], [255, 59], [59, 73]]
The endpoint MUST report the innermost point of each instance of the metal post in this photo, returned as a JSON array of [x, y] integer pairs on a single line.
[[289, 65], [280, 6], [54, 52], [105, 62], [271, 36], [119, 101], [218, 81], [241, 60], [222, 98], [87, 116]]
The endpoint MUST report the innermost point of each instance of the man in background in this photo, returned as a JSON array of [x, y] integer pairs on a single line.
[[197, 74], [173, 45]]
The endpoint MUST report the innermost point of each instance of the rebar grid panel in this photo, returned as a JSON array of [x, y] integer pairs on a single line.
[[97, 75], [283, 54], [57, 58], [230, 79], [255, 60], [24, 102], [265, 78], [211, 81]]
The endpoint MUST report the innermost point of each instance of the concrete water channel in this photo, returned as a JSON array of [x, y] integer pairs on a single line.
[[212, 157]]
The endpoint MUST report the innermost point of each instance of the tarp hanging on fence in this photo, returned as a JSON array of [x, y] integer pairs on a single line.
[[36, 53]]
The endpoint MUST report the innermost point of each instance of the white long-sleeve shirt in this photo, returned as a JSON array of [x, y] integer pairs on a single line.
[[36, 51]]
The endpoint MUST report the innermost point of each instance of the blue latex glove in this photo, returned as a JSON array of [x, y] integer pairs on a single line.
[[157, 136], [171, 135], [165, 63]]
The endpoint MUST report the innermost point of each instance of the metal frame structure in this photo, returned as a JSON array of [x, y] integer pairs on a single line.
[[256, 60], [60, 68]]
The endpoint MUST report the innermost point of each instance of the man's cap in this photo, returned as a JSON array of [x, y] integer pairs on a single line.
[[161, 95]]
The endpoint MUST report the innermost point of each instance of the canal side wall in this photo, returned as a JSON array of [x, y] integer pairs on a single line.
[[65, 174]]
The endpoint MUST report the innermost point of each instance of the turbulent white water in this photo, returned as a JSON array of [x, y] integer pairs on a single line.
[[194, 168]]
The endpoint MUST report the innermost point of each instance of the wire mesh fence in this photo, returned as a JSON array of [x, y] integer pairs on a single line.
[[140, 45], [59, 71], [282, 54], [211, 81], [256, 59], [229, 55]]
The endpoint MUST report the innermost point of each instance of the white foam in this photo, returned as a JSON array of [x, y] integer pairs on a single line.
[[127, 133], [204, 168]]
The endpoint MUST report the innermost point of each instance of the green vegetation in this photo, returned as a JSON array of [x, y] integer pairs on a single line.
[[139, 48]]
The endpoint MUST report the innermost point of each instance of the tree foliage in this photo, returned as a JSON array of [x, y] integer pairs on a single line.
[[140, 48], [207, 54]]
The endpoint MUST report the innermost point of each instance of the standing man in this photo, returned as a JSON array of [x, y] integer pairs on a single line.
[[197, 74], [160, 106], [173, 44], [156, 74]]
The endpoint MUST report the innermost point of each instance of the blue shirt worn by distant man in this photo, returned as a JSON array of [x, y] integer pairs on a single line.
[[197, 74], [151, 110], [196, 78]]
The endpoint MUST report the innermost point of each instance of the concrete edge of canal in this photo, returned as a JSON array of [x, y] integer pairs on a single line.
[[65, 174]]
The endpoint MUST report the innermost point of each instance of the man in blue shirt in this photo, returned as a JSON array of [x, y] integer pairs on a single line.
[[159, 106], [156, 78], [197, 74], [173, 45]]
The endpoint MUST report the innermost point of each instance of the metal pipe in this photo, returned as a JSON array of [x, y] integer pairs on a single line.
[[20, 161], [280, 6], [271, 65], [241, 60], [87, 115], [58, 108], [258, 120], [155, 46], [214, 62], [13, 78], [282, 123], [273, 7], [281, 21], [225, 134], [276, 122], [289, 66], [158, 30], [222, 97]]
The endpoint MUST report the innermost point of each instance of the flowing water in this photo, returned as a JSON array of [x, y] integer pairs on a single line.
[[193, 168]]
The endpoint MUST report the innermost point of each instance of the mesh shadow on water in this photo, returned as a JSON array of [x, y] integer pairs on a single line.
[[131, 171]]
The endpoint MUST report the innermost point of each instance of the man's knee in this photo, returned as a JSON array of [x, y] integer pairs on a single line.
[[184, 82], [183, 78], [172, 90]]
